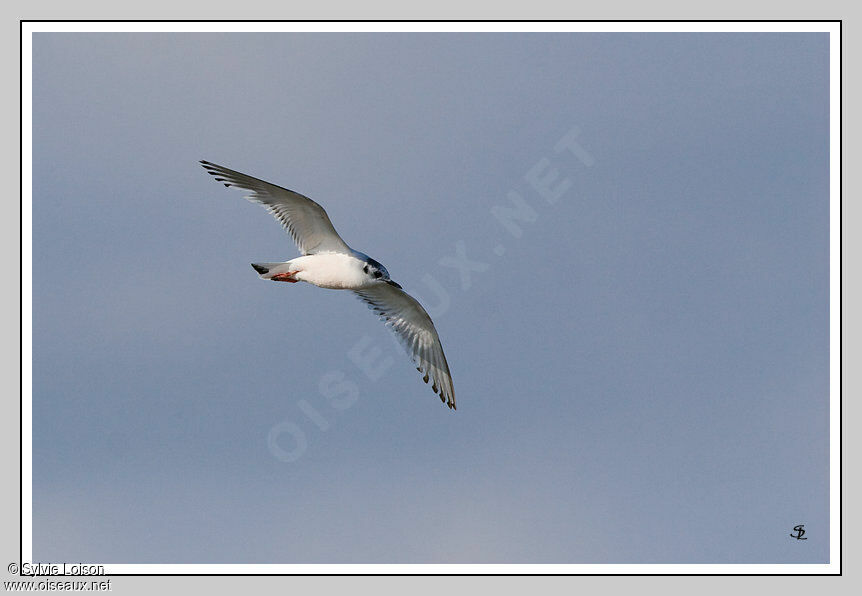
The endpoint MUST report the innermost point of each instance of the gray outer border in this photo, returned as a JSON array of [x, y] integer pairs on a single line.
[[12, 12]]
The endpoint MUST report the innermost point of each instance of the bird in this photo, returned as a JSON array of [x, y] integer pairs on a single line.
[[328, 262]]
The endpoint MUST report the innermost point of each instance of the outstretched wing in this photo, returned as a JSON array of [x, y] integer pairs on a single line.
[[305, 221], [414, 328]]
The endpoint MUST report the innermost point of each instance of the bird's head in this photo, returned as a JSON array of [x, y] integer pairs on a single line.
[[376, 270]]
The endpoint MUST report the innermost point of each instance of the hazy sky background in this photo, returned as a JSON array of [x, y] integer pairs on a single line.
[[642, 375]]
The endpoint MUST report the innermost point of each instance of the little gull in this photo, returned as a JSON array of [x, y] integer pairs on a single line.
[[328, 262]]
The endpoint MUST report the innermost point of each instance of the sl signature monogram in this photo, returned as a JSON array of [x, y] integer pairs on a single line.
[[800, 532]]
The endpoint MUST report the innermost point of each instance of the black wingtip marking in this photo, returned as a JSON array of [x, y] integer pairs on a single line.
[[260, 268]]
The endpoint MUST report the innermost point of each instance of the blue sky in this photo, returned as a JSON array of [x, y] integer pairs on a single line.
[[641, 364]]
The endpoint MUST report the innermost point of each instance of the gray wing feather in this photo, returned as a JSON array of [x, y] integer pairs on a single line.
[[403, 313], [305, 221]]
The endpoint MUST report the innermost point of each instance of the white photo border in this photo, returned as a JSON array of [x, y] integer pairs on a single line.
[[833, 28]]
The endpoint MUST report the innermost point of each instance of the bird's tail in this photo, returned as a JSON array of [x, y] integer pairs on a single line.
[[267, 270]]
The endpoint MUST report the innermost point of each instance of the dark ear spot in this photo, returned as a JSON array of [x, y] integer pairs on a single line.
[[365, 269]]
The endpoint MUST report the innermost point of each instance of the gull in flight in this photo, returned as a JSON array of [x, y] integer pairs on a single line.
[[328, 262]]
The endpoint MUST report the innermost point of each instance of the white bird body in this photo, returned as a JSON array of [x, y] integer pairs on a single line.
[[331, 270], [328, 262]]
